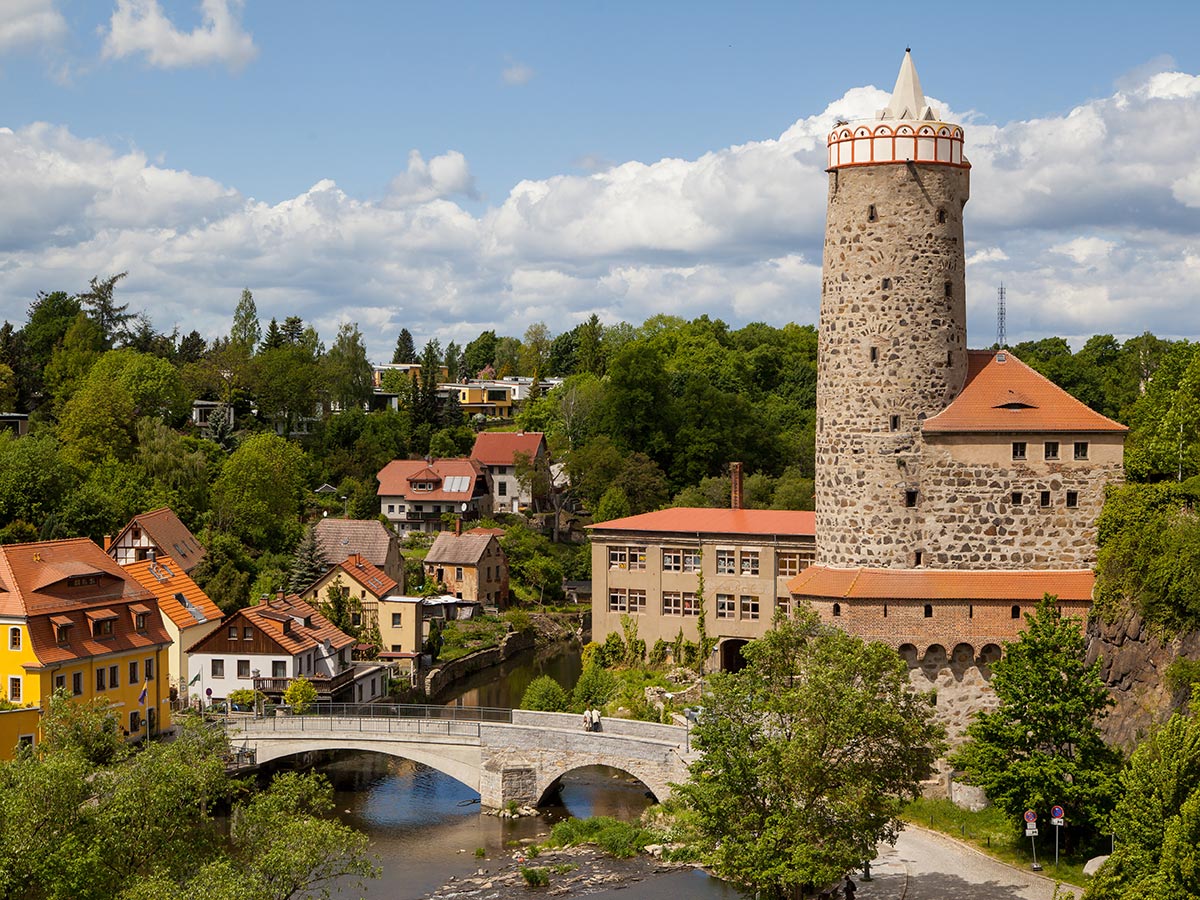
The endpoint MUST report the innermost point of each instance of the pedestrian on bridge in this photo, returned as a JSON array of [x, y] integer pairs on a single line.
[[595, 720], [587, 720]]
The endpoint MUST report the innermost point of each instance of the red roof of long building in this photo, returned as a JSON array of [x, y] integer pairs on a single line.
[[497, 448], [179, 598], [1004, 395], [397, 477], [941, 584], [693, 520]]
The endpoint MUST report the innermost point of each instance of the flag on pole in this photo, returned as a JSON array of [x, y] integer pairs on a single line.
[[142, 695], [194, 680]]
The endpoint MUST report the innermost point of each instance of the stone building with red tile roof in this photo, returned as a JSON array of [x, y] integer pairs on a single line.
[[497, 452], [159, 530], [74, 620], [414, 494], [364, 583], [369, 538], [470, 566], [267, 646], [187, 612]]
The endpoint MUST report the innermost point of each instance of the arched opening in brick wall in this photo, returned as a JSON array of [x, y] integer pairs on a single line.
[[613, 778], [909, 654], [988, 655], [731, 655], [963, 657], [935, 657]]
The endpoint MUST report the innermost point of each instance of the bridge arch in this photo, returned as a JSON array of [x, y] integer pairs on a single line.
[[449, 761], [652, 781]]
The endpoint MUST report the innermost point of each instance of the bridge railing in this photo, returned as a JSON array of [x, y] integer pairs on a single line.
[[461, 721]]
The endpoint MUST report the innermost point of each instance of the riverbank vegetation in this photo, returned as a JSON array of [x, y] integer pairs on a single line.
[[83, 816]]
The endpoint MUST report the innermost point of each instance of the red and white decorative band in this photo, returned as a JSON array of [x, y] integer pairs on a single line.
[[926, 142]]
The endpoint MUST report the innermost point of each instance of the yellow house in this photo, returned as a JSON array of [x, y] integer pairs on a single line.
[[73, 620], [365, 584], [490, 399], [402, 631], [187, 612]]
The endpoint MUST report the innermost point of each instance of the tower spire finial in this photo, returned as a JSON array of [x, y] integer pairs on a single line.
[[908, 100]]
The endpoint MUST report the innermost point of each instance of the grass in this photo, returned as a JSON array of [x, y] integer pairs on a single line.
[[995, 835], [461, 638], [618, 839]]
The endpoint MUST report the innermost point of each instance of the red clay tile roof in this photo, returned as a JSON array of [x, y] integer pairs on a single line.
[[339, 538], [394, 479], [270, 618], [165, 578], [498, 532], [941, 584], [367, 575], [169, 535], [689, 520], [1005, 395], [35, 588], [497, 448]]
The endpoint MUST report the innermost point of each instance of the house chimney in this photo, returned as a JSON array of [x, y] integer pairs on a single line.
[[735, 477], [152, 554], [279, 595], [107, 542], [458, 527]]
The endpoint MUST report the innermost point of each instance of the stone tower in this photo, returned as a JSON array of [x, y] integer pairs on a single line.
[[893, 346]]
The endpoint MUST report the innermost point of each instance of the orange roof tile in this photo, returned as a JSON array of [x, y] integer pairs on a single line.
[[690, 520], [270, 617], [367, 575], [941, 584], [169, 534], [497, 448], [180, 598], [1002, 394], [394, 479], [37, 589]]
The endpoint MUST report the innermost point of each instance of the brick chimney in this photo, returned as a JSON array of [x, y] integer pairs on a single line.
[[735, 478], [458, 527]]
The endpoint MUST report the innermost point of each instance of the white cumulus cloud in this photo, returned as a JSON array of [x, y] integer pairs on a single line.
[[516, 74], [446, 175], [141, 27], [24, 23]]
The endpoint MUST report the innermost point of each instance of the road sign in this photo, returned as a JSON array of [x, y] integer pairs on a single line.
[[1031, 831], [1057, 820], [1030, 816], [1057, 812]]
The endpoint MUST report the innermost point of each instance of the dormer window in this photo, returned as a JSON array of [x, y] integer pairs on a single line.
[[102, 628], [139, 622], [82, 581]]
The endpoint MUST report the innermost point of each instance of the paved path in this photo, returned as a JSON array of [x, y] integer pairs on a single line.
[[925, 865]]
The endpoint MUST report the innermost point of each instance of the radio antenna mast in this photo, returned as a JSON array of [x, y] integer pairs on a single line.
[[1001, 324]]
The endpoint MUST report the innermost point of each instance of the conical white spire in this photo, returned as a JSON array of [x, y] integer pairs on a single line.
[[908, 100]]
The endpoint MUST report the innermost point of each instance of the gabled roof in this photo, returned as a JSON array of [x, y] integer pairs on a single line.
[[1003, 395], [459, 479], [365, 574], [692, 520], [340, 538], [941, 584], [169, 535], [458, 549], [497, 448], [179, 598], [33, 586], [282, 621]]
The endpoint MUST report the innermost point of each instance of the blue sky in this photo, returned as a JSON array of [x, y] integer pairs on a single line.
[[623, 159]]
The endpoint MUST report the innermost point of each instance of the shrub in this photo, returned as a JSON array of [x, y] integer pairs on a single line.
[[658, 655], [300, 695], [592, 652], [619, 839], [535, 876], [595, 687], [518, 619], [1182, 673], [545, 694], [614, 650]]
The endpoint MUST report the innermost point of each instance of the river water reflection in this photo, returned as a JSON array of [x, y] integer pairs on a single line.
[[425, 826]]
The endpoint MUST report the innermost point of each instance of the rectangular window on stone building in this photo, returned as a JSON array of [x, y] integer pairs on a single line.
[[1044, 498], [1018, 449], [691, 560], [894, 423], [749, 608], [1081, 449], [1051, 449], [672, 603], [749, 562], [672, 560], [618, 600], [1072, 498], [910, 499], [637, 602], [1017, 498], [726, 564], [874, 354], [726, 609]]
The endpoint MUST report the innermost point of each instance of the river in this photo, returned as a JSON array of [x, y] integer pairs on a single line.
[[425, 827]]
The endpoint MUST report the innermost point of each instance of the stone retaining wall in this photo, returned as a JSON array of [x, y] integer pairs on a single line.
[[442, 677]]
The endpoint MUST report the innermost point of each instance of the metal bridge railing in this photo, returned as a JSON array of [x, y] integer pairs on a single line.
[[373, 718]]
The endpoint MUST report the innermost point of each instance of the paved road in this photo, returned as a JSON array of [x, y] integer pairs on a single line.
[[925, 865]]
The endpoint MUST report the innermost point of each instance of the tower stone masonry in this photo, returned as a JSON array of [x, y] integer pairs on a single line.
[[892, 349]]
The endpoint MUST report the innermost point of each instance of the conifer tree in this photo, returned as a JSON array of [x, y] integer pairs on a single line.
[[406, 350], [309, 563]]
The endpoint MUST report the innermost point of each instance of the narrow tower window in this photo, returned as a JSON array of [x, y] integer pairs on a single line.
[[871, 214], [894, 423], [918, 558], [910, 499], [874, 354], [941, 217], [886, 284], [1016, 612], [948, 287], [929, 610], [837, 609], [970, 610]]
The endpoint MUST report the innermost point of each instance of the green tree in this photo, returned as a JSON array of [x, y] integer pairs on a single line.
[[545, 694], [1157, 819], [595, 687], [273, 339], [1042, 745], [246, 331], [340, 606], [406, 349], [81, 347], [807, 757], [613, 505], [348, 373], [97, 423], [257, 496], [112, 318], [480, 353], [308, 563], [300, 695]]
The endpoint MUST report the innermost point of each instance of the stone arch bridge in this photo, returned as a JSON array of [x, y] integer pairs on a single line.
[[505, 755]]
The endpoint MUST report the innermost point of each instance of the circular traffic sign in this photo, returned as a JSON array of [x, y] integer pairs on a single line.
[[1030, 815], [1056, 812]]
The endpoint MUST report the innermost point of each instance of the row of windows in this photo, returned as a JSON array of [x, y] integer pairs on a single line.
[[1050, 450], [729, 562], [1014, 612], [1017, 498], [108, 679], [278, 668], [728, 605]]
